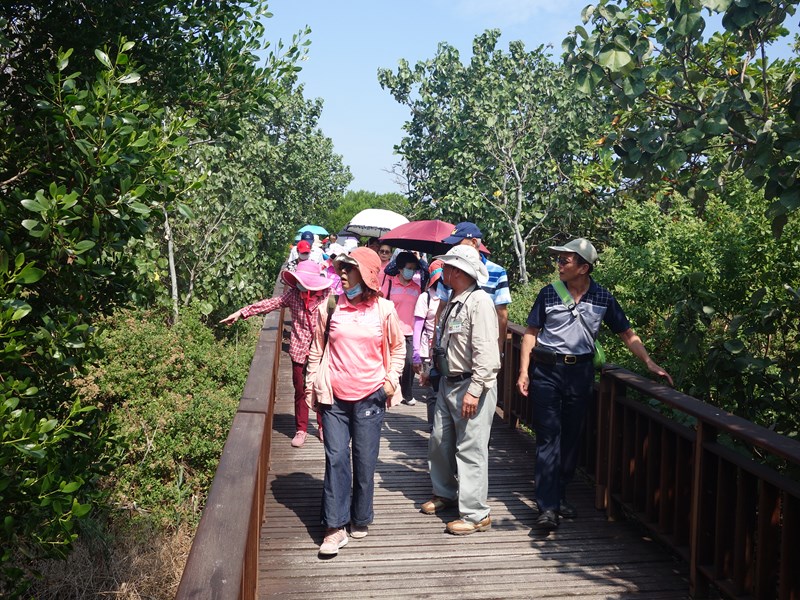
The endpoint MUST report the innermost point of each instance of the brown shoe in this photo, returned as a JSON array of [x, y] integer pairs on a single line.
[[435, 504], [462, 527]]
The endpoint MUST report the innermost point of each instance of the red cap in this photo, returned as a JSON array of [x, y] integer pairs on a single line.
[[303, 247]]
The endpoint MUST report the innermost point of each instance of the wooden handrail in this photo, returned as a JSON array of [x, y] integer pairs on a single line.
[[694, 481], [223, 560], [701, 479]]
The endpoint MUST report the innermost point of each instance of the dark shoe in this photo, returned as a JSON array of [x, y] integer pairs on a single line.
[[567, 510], [435, 504], [463, 527], [536, 508], [548, 521]]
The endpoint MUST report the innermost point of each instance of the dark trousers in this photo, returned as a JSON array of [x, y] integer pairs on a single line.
[[407, 377], [300, 406], [358, 422], [560, 395]]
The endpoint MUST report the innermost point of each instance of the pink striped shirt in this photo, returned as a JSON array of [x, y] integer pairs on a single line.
[[404, 294]]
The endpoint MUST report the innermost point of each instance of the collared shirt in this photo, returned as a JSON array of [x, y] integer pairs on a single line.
[[404, 294], [303, 319], [356, 360], [496, 286], [566, 334], [469, 332], [425, 309]]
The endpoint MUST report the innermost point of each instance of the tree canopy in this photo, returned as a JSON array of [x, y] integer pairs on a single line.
[[692, 109], [499, 140], [128, 138]]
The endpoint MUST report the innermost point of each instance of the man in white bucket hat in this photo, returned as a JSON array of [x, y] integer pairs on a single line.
[[468, 359]]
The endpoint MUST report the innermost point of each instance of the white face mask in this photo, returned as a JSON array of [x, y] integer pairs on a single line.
[[300, 286], [304, 255]]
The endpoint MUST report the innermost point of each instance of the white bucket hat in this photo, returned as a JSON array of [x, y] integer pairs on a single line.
[[467, 259]]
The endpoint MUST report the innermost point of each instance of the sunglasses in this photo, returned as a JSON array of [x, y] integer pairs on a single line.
[[345, 267], [560, 260]]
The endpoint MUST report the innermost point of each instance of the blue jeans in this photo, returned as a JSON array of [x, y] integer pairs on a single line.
[[560, 395], [361, 423]]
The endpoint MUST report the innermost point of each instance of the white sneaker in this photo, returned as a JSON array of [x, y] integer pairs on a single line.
[[358, 532], [410, 402], [333, 541]]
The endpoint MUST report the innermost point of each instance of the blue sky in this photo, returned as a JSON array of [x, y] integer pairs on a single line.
[[351, 40]]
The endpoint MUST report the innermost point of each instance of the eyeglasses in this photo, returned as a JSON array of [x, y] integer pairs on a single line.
[[384, 251], [561, 260]]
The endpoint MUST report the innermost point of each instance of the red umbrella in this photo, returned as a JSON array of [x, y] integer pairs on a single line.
[[422, 236]]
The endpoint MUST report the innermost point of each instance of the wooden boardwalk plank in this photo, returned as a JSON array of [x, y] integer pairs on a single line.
[[408, 554]]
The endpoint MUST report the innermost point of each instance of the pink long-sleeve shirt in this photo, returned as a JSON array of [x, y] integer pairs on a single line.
[[361, 348]]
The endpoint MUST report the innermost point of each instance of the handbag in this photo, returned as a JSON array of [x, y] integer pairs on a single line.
[[599, 354]]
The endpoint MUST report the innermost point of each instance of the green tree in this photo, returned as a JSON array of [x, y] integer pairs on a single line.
[[278, 172], [106, 153], [500, 140], [718, 291], [691, 109], [89, 146]]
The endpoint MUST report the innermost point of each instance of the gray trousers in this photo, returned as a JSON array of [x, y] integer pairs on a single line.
[[458, 450]]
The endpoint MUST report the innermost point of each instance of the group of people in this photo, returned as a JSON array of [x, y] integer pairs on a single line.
[[355, 352]]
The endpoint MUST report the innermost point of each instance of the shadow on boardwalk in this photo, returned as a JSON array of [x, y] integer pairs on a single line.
[[408, 554]]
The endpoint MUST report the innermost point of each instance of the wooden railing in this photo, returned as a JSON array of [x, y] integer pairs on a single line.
[[689, 476], [223, 560], [688, 471]]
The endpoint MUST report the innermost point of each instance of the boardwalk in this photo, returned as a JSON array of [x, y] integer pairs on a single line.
[[408, 555]]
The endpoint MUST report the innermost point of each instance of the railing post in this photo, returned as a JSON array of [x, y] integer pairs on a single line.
[[602, 450], [701, 539]]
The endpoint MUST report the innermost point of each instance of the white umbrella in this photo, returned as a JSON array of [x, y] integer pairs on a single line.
[[374, 222]]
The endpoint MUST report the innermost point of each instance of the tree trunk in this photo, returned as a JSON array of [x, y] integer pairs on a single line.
[[173, 277]]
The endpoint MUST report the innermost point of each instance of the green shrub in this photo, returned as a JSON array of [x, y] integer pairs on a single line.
[[171, 393]]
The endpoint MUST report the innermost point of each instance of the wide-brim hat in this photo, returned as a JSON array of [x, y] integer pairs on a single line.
[[580, 246], [467, 259], [368, 263], [309, 275]]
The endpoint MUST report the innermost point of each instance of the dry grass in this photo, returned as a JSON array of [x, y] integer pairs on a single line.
[[134, 565]]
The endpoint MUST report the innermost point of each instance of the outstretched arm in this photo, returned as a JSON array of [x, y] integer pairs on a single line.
[[636, 346]]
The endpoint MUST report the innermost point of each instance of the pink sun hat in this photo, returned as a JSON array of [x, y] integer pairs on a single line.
[[309, 275]]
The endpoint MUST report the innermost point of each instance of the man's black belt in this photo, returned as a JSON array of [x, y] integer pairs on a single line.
[[546, 356], [458, 377]]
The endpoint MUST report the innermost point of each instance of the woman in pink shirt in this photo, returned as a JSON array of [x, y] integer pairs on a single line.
[[354, 369], [403, 291]]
